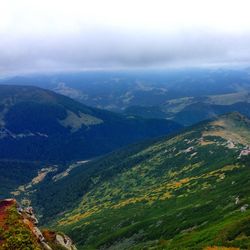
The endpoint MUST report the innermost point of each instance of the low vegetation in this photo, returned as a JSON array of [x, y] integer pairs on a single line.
[[189, 191]]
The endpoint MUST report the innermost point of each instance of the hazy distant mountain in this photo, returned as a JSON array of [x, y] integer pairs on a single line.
[[190, 110], [37, 124], [186, 96], [117, 90]]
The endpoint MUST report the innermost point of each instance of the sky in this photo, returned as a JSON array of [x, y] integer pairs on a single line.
[[65, 35]]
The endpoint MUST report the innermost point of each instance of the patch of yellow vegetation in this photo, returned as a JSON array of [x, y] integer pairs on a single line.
[[165, 196], [205, 185], [178, 184], [158, 194], [230, 167], [129, 201], [76, 217], [174, 174], [220, 172], [205, 143]]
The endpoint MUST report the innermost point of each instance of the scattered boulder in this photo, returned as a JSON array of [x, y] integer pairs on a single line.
[[244, 208], [237, 200], [59, 239]]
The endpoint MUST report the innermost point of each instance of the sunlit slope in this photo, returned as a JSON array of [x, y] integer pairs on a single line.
[[189, 191]]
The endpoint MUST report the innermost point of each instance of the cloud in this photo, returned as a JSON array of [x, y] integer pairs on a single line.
[[75, 35]]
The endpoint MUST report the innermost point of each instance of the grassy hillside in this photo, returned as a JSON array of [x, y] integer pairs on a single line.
[[189, 191]]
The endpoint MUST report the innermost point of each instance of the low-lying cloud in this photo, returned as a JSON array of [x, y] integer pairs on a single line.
[[89, 43]]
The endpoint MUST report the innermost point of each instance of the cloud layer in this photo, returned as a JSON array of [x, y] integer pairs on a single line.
[[75, 35]]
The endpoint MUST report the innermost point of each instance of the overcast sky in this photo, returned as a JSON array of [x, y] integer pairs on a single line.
[[48, 35]]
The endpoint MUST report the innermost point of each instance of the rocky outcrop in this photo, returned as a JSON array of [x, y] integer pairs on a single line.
[[12, 214], [58, 239]]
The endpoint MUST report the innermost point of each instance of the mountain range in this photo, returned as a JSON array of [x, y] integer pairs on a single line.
[[186, 96], [37, 124], [119, 181], [190, 110]]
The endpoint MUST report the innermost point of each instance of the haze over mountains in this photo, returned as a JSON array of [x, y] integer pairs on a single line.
[[117, 90], [183, 95], [125, 125]]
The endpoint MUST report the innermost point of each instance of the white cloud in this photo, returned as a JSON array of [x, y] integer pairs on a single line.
[[75, 34]]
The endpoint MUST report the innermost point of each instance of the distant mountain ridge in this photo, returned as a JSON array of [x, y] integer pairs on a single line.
[[190, 110], [38, 124], [118, 90], [186, 96]]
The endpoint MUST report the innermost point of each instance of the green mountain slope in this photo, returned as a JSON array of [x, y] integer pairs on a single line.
[[190, 191]]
